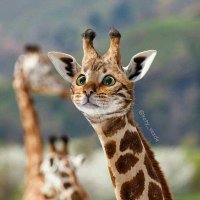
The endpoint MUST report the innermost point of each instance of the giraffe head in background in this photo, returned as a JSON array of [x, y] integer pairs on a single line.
[[59, 170]]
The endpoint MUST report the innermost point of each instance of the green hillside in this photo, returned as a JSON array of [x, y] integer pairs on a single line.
[[58, 24], [168, 94]]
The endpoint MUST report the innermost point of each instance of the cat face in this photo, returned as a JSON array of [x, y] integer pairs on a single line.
[[99, 87]]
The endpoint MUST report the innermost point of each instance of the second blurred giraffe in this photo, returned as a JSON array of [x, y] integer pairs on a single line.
[[59, 170]]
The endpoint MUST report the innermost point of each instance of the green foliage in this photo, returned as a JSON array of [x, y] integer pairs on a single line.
[[188, 196], [194, 157], [172, 80], [11, 172], [9, 118]]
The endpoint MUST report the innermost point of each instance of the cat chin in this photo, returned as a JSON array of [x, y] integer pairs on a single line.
[[94, 111], [91, 110]]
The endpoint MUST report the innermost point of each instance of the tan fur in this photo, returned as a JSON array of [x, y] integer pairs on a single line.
[[89, 53], [113, 53], [32, 140], [133, 169], [69, 187], [39, 74], [156, 166]]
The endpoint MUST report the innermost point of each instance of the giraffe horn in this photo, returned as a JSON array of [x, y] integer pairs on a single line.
[[113, 53], [65, 141], [52, 147], [89, 53], [32, 48]]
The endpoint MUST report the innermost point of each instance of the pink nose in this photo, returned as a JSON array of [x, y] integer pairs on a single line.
[[88, 92]]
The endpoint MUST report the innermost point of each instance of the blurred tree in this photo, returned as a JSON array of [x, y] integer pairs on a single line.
[[65, 38], [95, 19], [122, 14], [193, 42]]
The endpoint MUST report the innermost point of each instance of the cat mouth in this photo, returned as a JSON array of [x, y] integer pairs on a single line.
[[90, 105]]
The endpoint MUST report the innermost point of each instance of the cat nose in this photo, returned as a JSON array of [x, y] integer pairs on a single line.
[[89, 89], [88, 92]]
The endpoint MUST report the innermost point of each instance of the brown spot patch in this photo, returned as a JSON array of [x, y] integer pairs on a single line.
[[131, 141], [64, 174], [67, 185], [76, 196], [155, 192], [149, 168], [112, 177], [125, 162], [113, 125], [110, 148], [165, 188], [134, 188]]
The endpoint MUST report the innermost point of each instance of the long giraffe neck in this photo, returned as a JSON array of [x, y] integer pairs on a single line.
[[32, 139], [134, 172]]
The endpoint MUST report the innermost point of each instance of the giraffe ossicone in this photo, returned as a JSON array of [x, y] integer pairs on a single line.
[[102, 89]]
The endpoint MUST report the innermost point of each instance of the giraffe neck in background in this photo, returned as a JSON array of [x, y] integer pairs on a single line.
[[131, 169], [32, 135]]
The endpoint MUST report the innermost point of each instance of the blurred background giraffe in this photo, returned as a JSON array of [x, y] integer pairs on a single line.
[[33, 74], [39, 73], [59, 170], [32, 138]]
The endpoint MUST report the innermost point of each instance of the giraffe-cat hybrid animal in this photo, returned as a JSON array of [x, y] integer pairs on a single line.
[[102, 89], [59, 170]]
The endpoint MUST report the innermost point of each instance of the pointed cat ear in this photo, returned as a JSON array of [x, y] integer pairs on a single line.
[[65, 64], [139, 65]]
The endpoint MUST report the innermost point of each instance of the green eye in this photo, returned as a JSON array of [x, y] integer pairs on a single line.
[[81, 80], [109, 80]]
